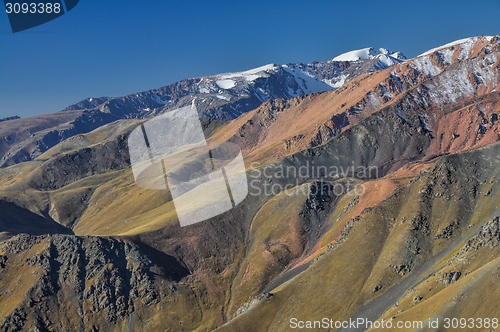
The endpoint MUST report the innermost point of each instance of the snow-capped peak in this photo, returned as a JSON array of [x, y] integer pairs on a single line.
[[229, 80], [398, 55], [249, 75], [356, 55], [368, 53]]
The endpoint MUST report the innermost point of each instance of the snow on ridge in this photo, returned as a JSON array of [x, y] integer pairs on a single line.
[[369, 53], [306, 82], [355, 55], [456, 42], [249, 75], [230, 80], [386, 60], [307, 78]]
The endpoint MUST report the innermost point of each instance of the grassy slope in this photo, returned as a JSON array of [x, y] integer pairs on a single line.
[[277, 239], [391, 242]]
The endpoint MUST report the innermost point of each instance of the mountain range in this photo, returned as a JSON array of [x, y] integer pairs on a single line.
[[220, 97], [85, 249]]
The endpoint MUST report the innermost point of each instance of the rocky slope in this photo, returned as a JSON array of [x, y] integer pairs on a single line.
[[83, 283], [429, 250], [439, 88]]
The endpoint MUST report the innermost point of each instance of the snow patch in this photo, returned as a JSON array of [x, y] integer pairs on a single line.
[[424, 122], [373, 101], [386, 60], [157, 98], [226, 84], [384, 55], [249, 75], [223, 97], [204, 89], [424, 65], [305, 82], [338, 81]]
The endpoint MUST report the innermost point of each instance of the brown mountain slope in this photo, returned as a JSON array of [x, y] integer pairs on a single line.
[[209, 250], [399, 259]]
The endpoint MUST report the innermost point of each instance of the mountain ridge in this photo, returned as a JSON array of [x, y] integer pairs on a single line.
[[220, 96]]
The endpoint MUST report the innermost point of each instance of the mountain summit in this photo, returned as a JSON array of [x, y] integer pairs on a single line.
[[382, 54]]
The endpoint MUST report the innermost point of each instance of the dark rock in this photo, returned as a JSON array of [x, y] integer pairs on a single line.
[[449, 278]]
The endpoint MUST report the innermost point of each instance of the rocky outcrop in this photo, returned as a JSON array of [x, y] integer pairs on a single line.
[[488, 236], [449, 278], [10, 118], [251, 303], [344, 233], [90, 275], [317, 208]]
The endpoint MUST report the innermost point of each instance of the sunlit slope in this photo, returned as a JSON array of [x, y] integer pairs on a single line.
[[401, 256], [104, 133], [282, 235], [120, 207], [85, 183]]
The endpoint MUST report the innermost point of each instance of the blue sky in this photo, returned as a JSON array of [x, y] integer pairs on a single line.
[[117, 47]]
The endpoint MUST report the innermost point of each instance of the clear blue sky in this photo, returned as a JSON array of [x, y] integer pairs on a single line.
[[117, 47]]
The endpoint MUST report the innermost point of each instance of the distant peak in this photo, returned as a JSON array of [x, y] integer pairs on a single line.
[[398, 55], [368, 53]]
